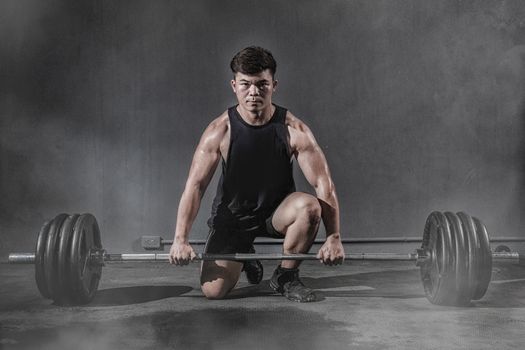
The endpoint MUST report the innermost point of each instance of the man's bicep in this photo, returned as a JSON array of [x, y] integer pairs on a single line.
[[310, 157], [313, 164], [202, 168], [204, 163]]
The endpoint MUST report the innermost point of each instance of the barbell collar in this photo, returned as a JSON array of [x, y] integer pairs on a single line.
[[21, 258], [508, 256]]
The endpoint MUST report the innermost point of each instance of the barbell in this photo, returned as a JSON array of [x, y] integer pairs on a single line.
[[455, 259], [155, 242]]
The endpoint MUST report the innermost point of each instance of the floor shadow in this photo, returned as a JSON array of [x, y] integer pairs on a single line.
[[387, 284], [208, 328], [244, 328], [136, 295], [397, 284]]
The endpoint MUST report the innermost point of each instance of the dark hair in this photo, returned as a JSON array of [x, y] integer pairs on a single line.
[[253, 60]]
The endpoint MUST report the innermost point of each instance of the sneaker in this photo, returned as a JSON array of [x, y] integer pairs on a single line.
[[287, 282], [253, 269]]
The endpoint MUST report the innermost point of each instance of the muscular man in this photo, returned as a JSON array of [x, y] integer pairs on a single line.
[[256, 141]]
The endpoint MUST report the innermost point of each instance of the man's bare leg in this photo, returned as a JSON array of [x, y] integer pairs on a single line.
[[297, 218], [219, 277]]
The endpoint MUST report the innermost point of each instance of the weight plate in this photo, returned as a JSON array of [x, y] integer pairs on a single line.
[[429, 277], [437, 275], [428, 242], [472, 249], [446, 292], [461, 268], [64, 246], [40, 275], [84, 274], [50, 256], [486, 267]]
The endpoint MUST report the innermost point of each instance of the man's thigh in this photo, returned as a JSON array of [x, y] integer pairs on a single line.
[[287, 212]]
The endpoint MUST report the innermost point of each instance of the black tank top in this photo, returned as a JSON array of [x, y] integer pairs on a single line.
[[257, 175]]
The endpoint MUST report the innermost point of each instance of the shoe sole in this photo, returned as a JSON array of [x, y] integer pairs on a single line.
[[280, 290]]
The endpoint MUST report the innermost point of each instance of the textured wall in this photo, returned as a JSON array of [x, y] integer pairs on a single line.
[[418, 105]]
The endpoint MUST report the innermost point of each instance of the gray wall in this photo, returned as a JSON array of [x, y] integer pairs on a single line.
[[418, 105]]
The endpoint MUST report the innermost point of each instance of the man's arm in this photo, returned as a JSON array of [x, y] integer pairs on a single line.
[[205, 160], [315, 168]]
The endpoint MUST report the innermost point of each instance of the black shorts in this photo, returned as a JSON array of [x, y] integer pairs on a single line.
[[227, 241]]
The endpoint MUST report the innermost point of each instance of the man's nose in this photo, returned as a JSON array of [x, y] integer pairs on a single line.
[[254, 90]]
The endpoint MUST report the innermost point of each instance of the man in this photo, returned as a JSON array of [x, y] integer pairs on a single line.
[[255, 141]]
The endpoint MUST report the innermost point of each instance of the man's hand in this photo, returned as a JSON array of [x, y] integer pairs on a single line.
[[332, 251], [181, 253]]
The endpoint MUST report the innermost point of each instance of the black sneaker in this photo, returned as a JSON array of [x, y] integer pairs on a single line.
[[287, 282], [253, 269]]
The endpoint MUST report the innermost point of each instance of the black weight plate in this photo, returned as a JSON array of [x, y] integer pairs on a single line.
[[462, 291], [472, 249], [429, 277], [85, 276], [40, 275], [64, 247], [427, 245], [437, 275], [50, 255], [446, 293], [486, 267]]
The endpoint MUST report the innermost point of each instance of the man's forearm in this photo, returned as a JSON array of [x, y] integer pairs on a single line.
[[330, 211], [188, 208], [330, 216]]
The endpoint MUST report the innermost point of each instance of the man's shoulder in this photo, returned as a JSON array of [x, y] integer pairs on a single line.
[[294, 123], [301, 137], [217, 129], [221, 119], [221, 122]]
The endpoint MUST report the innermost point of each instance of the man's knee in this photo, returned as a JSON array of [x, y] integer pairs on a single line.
[[214, 291], [308, 208], [218, 278]]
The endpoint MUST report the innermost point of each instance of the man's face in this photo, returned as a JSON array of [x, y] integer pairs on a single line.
[[254, 92]]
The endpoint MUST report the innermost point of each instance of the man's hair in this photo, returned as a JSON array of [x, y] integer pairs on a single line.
[[253, 60]]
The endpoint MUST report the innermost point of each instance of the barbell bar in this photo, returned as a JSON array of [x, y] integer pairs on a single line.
[[103, 257], [455, 259], [155, 242]]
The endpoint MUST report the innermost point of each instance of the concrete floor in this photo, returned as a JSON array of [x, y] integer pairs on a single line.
[[366, 305]]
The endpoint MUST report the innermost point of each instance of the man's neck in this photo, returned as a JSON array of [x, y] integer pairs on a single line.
[[261, 117]]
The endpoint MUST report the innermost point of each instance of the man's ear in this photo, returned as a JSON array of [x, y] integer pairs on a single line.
[[232, 83], [275, 84]]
